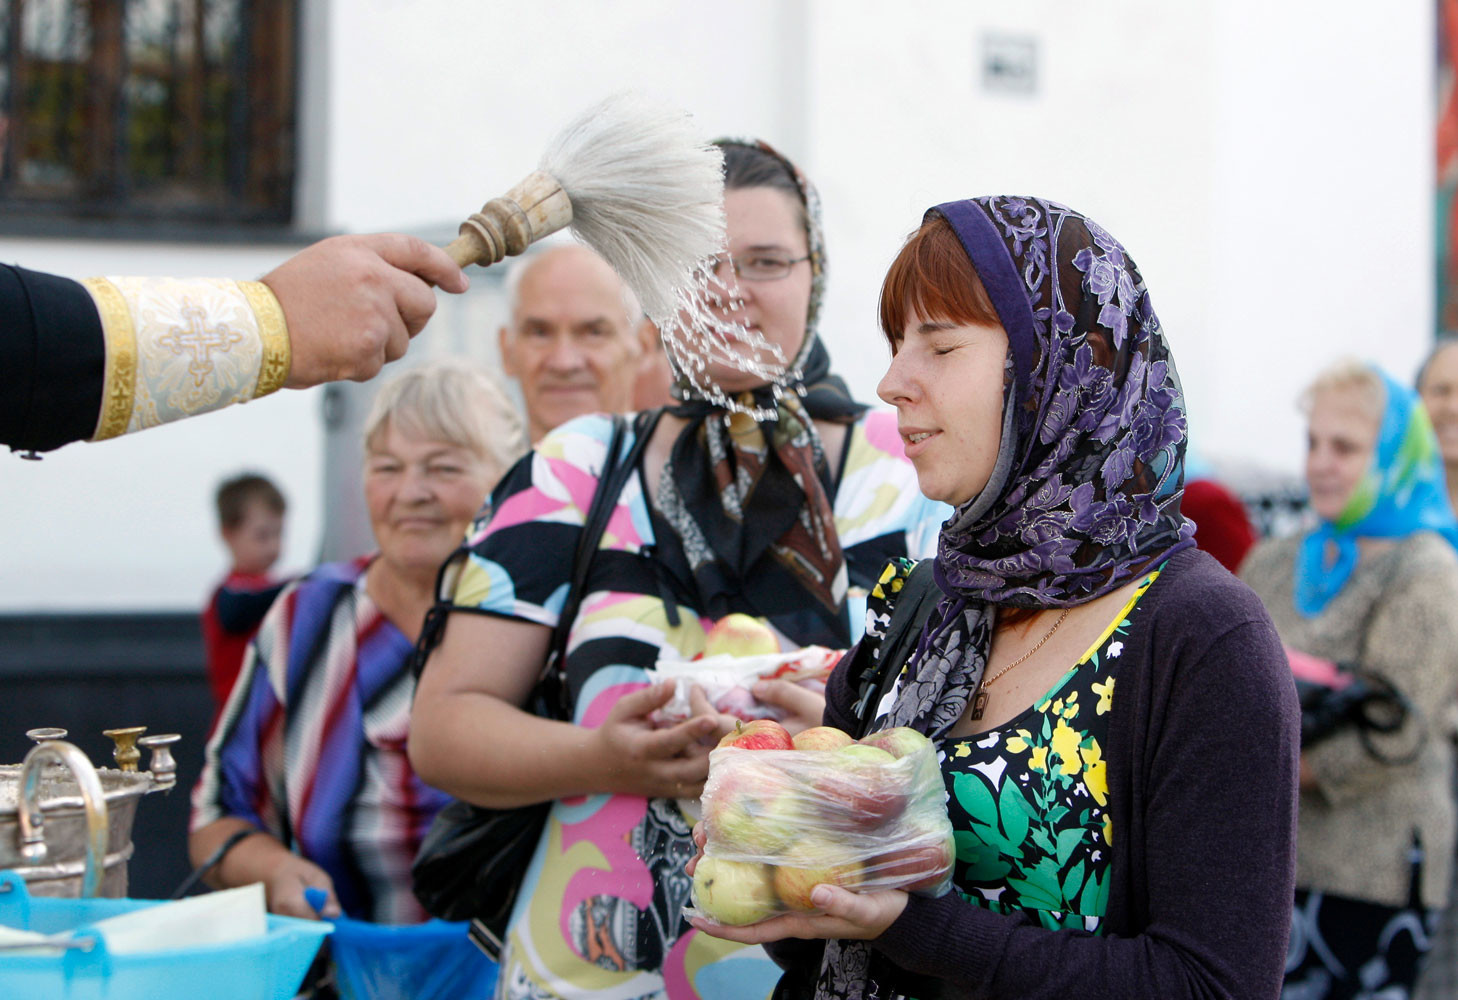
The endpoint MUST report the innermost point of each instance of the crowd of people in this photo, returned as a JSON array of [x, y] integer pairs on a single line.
[[1088, 655]]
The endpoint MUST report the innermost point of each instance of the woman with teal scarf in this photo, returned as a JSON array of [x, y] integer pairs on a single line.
[[1374, 585]]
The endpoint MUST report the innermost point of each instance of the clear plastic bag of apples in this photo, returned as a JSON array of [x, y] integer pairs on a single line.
[[783, 815]]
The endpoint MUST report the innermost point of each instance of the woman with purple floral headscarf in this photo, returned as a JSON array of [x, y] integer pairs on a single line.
[[1113, 711]]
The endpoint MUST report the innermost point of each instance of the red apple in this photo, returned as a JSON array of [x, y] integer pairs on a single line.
[[861, 788], [761, 734], [922, 866], [821, 738], [740, 635], [806, 865], [734, 892]]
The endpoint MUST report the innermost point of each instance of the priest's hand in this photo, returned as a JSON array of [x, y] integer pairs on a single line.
[[352, 303]]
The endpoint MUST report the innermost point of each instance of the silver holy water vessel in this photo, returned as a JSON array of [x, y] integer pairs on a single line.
[[65, 825]]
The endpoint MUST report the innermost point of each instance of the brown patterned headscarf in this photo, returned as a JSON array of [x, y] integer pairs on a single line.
[[750, 500]]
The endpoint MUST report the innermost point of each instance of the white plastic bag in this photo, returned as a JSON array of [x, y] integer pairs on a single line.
[[727, 680], [780, 822]]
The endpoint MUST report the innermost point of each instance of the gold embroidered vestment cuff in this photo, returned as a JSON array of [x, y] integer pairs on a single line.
[[176, 348]]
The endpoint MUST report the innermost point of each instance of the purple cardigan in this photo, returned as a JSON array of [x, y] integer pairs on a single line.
[[1202, 767]]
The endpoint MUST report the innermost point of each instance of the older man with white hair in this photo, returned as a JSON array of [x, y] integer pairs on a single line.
[[576, 337]]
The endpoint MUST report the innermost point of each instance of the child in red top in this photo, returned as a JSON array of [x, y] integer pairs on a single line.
[[250, 519]]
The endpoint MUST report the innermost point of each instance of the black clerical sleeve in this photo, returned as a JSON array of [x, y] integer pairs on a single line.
[[52, 360]]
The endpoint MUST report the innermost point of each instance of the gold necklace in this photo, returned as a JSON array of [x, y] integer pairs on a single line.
[[979, 702]]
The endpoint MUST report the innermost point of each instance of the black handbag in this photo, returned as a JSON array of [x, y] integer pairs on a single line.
[[471, 862], [1366, 701]]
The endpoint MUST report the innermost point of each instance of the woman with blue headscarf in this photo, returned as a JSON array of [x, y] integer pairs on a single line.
[[1375, 586], [1114, 716]]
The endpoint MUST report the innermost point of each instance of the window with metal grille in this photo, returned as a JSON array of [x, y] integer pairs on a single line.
[[178, 112]]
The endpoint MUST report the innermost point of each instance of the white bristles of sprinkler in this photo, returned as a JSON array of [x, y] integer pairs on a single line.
[[647, 194], [635, 182]]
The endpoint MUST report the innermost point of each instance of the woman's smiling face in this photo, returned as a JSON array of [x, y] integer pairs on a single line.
[[421, 494], [946, 381]]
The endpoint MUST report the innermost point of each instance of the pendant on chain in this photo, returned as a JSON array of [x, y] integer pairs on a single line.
[[979, 700], [979, 705]]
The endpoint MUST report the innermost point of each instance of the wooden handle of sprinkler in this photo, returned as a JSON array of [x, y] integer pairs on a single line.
[[506, 226]]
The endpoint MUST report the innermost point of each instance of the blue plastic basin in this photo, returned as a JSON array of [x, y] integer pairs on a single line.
[[269, 967]]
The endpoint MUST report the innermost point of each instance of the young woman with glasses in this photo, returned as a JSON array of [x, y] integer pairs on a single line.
[[777, 518]]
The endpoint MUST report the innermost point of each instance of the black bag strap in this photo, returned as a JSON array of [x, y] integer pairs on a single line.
[[616, 470], [872, 678], [614, 474]]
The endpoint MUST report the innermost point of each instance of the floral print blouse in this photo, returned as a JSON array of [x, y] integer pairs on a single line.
[[1028, 799]]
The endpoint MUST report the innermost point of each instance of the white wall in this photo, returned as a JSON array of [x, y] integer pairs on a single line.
[[436, 106], [128, 523], [1117, 127], [1322, 211], [1269, 167]]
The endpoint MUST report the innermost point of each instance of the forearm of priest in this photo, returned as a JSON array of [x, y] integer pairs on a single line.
[[102, 357]]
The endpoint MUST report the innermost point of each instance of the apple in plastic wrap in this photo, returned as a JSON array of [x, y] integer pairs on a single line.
[[822, 738], [901, 742], [734, 892], [740, 635], [925, 864], [854, 791], [806, 864], [761, 734], [898, 742], [751, 808]]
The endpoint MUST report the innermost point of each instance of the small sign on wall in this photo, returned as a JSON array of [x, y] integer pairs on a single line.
[[1009, 63]]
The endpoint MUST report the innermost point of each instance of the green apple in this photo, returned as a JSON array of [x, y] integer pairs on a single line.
[[899, 741], [734, 892], [822, 738], [740, 635], [751, 808]]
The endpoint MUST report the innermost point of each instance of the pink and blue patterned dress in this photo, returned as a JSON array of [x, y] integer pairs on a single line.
[[600, 912]]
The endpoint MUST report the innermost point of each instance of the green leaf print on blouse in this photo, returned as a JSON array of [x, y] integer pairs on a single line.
[[1014, 812], [1029, 803], [981, 862], [1022, 833]]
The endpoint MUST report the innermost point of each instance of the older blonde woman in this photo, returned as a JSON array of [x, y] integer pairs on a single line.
[[1438, 383], [1374, 586], [306, 782]]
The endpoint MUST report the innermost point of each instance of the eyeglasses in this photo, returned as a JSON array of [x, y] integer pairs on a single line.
[[758, 266]]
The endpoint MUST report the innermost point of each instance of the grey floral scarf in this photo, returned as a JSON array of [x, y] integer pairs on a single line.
[[1088, 479]]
